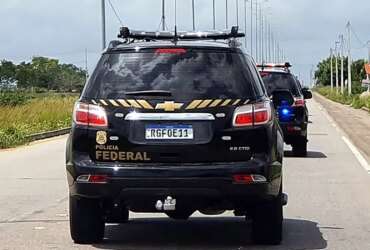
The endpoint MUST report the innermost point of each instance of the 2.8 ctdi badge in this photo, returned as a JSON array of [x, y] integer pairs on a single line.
[[101, 137]]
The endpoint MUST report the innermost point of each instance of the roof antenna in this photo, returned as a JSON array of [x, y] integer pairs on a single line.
[[176, 38]]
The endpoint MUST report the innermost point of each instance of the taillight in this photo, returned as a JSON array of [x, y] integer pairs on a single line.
[[90, 115], [299, 102], [253, 114]]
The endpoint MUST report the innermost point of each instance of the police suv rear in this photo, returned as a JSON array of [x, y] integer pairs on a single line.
[[175, 123]]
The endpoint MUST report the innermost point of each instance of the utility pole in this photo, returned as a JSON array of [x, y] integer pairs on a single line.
[[227, 14], [86, 65], [193, 9], [245, 23], [104, 39], [349, 60], [336, 67], [331, 70], [261, 34], [252, 27], [214, 14], [237, 12], [257, 47], [163, 15], [341, 64]]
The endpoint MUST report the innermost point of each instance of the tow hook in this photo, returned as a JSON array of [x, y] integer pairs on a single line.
[[168, 204]]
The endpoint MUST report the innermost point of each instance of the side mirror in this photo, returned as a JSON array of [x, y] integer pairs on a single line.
[[282, 98], [307, 94]]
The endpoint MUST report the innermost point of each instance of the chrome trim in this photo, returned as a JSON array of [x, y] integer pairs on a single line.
[[134, 116]]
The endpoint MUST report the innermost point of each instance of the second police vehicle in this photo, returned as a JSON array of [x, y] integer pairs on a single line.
[[293, 116]]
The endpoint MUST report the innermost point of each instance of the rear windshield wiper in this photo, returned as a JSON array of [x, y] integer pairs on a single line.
[[149, 93]]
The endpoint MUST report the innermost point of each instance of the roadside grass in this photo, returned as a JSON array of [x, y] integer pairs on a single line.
[[40, 114], [354, 100]]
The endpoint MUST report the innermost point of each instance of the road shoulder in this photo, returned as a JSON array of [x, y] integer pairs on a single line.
[[355, 123]]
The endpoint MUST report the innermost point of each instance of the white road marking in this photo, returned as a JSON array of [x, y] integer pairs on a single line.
[[357, 154], [361, 159]]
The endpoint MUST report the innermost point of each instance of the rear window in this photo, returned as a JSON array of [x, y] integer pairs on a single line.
[[274, 81], [187, 75]]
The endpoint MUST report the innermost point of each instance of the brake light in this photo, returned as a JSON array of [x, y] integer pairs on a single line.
[[248, 179], [95, 179], [253, 114], [90, 115], [299, 102], [264, 74], [170, 51]]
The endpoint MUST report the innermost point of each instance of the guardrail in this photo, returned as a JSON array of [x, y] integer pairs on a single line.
[[46, 135]]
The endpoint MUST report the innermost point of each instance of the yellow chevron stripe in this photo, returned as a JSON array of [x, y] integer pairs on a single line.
[[246, 102], [124, 103], [104, 102], [204, 104], [145, 104], [236, 102], [215, 103], [114, 103], [134, 104], [94, 102], [226, 102], [194, 104]]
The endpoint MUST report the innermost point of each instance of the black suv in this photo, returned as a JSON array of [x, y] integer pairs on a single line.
[[293, 116], [168, 123]]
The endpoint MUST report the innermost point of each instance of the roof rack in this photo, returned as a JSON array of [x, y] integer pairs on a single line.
[[126, 33], [286, 65]]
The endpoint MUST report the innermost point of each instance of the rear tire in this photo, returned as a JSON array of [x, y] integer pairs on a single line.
[[86, 220], [300, 147], [267, 222]]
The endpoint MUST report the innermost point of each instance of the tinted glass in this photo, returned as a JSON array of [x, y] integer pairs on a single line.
[[274, 81], [189, 75]]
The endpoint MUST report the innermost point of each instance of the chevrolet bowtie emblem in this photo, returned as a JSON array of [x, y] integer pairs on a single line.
[[169, 106]]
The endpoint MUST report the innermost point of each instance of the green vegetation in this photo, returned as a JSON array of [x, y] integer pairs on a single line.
[[358, 74], [322, 73], [354, 100], [41, 75], [29, 99], [39, 113]]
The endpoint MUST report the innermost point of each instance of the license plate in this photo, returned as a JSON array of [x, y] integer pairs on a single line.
[[169, 132]]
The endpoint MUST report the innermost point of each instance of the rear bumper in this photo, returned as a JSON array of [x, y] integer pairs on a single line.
[[292, 130], [146, 184]]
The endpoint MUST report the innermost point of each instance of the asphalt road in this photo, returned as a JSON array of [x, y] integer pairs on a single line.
[[329, 203]]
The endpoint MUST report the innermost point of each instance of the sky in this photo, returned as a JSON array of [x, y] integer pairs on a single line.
[[305, 29]]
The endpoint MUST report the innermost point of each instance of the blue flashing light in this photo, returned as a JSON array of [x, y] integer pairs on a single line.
[[285, 113]]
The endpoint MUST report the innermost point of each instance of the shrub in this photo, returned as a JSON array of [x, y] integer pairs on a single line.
[[13, 98]]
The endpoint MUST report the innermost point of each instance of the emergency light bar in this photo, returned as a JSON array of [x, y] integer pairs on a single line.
[[286, 65], [126, 33]]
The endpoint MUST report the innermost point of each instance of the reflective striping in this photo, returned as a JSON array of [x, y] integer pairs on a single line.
[[226, 102], [194, 104], [104, 102], [236, 102], [246, 102], [134, 104], [124, 103], [114, 103], [215, 103], [145, 104], [94, 102], [204, 104]]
